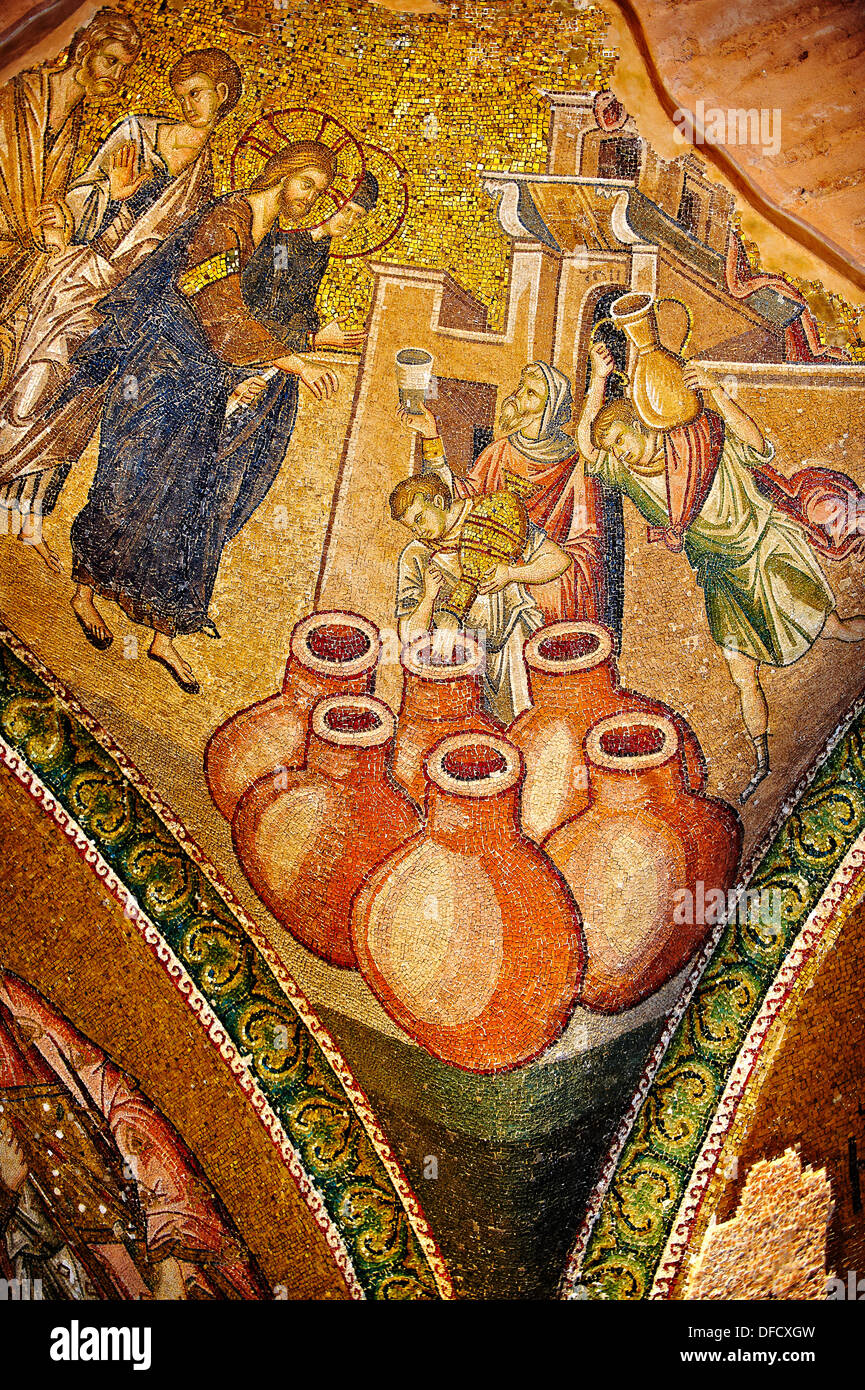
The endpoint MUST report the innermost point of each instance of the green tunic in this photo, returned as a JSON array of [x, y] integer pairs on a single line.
[[766, 596]]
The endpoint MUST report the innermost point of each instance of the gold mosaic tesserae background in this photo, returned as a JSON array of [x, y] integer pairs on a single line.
[[611, 1164], [446, 96]]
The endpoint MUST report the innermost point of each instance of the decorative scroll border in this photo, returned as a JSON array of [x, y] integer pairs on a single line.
[[88, 852], [203, 1008], [843, 876], [820, 921]]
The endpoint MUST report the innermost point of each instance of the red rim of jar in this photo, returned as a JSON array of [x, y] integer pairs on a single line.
[[474, 765], [537, 660], [373, 719], [472, 665], [307, 628], [668, 742]]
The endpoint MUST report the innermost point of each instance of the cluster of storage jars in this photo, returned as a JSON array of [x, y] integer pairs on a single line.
[[484, 882]]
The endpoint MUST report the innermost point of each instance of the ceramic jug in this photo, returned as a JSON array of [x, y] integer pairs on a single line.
[[574, 682], [440, 697], [308, 838], [329, 653], [658, 390], [467, 935], [636, 857]]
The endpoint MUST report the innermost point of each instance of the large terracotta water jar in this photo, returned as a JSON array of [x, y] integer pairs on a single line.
[[658, 390], [330, 653], [440, 697], [308, 838], [574, 682], [467, 935], [637, 856]]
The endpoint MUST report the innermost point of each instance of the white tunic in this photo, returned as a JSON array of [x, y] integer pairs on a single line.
[[501, 621], [62, 311]]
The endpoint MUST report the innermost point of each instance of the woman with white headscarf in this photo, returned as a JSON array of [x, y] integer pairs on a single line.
[[535, 458]]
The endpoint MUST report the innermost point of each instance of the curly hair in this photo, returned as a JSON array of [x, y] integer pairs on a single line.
[[107, 26], [301, 154], [216, 65], [621, 410]]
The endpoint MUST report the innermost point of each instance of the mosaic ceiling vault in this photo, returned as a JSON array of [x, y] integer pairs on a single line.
[[431, 624]]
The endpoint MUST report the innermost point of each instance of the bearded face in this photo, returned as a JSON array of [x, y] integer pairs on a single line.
[[101, 70], [300, 192], [523, 409]]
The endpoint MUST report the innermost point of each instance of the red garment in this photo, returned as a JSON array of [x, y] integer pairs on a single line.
[[567, 505], [801, 336], [828, 506], [37, 1048], [693, 453]]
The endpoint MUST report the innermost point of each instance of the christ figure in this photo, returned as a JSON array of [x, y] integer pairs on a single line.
[[170, 489]]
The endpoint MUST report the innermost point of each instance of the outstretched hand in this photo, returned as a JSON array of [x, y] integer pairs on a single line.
[[123, 176], [248, 392], [496, 580], [321, 384], [53, 225], [424, 423], [333, 335], [432, 584]]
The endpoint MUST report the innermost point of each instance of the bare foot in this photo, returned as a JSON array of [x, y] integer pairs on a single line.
[[92, 623], [44, 551], [163, 650]]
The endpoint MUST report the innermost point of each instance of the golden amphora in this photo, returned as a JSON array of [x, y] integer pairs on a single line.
[[658, 390]]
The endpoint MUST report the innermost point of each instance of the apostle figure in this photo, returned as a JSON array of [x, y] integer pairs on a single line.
[[538, 460], [475, 563], [40, 125], [767, 600], [145, 180], [99, 1199], [175, 479]]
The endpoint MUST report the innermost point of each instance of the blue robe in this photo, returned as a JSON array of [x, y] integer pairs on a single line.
[[176, 480]]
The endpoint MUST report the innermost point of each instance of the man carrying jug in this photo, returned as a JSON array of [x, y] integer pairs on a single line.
[[474, 563], [767, 600]]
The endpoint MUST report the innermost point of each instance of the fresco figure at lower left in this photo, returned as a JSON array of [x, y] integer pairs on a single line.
[[99, 1198]]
